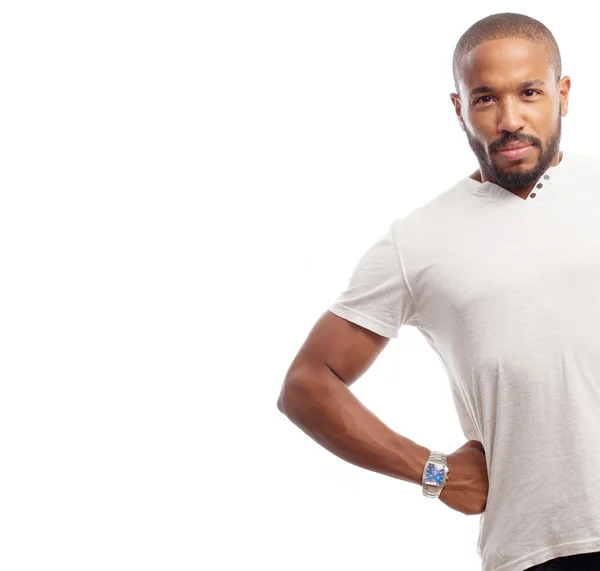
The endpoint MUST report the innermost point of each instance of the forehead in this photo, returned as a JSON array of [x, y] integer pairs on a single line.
[[504, 62]]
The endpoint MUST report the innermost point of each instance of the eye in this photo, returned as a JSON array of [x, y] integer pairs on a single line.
[[531, 92], [481, 99]]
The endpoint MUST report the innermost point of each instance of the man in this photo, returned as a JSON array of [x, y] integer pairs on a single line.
[[501, 274]]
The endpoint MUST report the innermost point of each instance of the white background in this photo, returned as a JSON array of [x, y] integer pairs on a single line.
[[185, 188]]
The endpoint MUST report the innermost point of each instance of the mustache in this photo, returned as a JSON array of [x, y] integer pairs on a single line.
[[515, 138]]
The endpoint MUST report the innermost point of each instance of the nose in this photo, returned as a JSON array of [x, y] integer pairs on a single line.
[[509, 117]]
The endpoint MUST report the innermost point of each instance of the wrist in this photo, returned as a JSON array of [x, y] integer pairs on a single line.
[[421, 456], [435, 474]]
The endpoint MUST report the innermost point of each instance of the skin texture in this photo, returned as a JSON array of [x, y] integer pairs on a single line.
[[508, 93]]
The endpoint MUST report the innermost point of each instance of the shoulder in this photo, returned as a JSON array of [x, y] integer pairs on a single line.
[[446, 206]]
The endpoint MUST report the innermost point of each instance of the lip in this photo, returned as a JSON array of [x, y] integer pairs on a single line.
[[516, 153]]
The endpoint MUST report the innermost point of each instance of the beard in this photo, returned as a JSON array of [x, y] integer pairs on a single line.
[[515, 180]]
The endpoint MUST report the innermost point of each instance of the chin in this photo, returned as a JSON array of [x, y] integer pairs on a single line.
[[504, 165], [521, 167]]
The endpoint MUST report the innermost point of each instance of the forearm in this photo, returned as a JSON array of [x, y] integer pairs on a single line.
[[328, 411]]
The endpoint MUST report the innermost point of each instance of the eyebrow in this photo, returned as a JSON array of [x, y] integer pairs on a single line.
[[524, 85]]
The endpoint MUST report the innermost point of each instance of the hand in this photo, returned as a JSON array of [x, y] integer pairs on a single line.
[[466, 489]]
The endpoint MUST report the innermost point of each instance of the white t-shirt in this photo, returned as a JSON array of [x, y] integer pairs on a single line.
[[507, 292]]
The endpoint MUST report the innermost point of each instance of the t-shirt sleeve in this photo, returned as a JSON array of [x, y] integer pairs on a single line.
[[378, 296]]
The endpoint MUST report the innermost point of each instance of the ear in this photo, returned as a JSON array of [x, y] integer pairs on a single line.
[[564, 88], [457, 109]]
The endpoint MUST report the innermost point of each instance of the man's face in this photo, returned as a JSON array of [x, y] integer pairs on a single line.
[[510, 106]]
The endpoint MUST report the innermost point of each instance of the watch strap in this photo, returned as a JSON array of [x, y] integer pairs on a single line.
[[438, 458]]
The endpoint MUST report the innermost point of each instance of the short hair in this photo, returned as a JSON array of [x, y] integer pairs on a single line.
[[504, 26]]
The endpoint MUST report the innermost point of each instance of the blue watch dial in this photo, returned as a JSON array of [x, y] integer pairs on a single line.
[[434, 476]]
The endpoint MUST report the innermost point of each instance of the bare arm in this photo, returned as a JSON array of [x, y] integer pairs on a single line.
[[316, 397]]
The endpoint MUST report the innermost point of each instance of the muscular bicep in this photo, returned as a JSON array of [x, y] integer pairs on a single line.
[[346, 348]]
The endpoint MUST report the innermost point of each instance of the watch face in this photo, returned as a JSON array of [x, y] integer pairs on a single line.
[[435, 474]]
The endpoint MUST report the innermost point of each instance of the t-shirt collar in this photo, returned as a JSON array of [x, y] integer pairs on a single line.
[[489, 187]]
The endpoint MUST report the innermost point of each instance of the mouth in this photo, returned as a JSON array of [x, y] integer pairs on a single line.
[[517, 153]]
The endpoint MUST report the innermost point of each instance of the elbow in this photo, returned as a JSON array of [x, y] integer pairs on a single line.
[[287, 395], [297, 391], [302, 386], [280, 404], [283, 398]]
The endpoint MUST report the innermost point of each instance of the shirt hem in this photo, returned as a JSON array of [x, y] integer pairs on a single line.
[[539, 557], [363, 320]]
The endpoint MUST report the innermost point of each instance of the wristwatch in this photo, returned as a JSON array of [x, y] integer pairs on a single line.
[[435, 474]]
